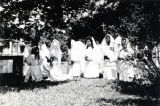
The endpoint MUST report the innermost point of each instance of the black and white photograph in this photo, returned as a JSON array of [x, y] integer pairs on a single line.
[[79, 52]]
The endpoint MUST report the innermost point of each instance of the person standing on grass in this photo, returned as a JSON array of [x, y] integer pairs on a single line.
[[34, 61]]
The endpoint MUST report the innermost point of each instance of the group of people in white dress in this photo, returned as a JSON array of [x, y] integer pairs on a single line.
[[110, 58], [93, 59]]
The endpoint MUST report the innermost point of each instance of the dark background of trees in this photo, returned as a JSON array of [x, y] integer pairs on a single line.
[[138, 19]]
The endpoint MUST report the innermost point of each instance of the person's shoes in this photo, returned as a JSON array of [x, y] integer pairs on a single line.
[[81, 75], [100, 75]]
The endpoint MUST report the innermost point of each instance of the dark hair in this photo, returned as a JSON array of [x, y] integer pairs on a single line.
[[6, 44], [35, 51], [90, 41], [108, 42]]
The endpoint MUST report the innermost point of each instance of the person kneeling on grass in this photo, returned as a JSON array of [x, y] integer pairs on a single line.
[[55, 71], [92, 69], [34, 62]]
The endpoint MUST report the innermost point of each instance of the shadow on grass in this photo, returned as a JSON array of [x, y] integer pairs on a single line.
[[16, 84], [134, 88], [128, 102]]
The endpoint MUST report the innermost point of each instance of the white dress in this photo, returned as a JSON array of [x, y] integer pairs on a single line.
[[115, 44], [128, 52], [99, 55], [77, 54], [92, 67], [44, 53], [25, 55], [56, 73], [110, 66], [110, 70], [126, 71], [55, 50], [125, 67]]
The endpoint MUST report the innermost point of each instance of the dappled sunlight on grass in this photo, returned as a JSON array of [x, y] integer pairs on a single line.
[[80, 92]]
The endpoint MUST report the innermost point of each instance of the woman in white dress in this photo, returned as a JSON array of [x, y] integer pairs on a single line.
[[77, 54], [111, 58], [55, 63], [92, 67], [56, 50], [125, 64], [115, 43], [26, 53], [45, 55], [55, 71], [99, 54]]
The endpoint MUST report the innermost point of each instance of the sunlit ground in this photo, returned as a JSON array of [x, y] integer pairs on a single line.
[[80, 92]]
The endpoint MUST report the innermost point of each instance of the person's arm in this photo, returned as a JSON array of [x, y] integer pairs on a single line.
[[48, 60], [72, 42]]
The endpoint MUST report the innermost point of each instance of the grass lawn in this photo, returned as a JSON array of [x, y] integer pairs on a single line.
[[81, 92]]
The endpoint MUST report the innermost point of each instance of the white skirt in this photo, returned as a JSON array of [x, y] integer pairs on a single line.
[[110, 72], [92, 70], [75, 69]]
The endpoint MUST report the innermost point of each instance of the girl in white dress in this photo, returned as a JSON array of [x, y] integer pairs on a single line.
[[56, 50], [115, 44], [55, 63], [26, 53], [109, 60], [99, 54], [92, 67], [45, 55]]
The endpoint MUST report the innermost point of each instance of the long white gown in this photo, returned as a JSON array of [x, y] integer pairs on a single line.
[[56, 73], [95, 61], [112, 52], [44, 53], [92, 69], [55, 50], [25, 55], [125, 67], [128, 52], [77, 54], [99, 55], [115, 44]]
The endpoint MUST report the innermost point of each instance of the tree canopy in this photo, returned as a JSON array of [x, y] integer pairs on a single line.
[[65, 19]]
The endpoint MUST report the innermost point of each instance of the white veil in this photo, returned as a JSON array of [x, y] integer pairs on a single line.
[[77, 50], [106, 48], [56, 50]]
